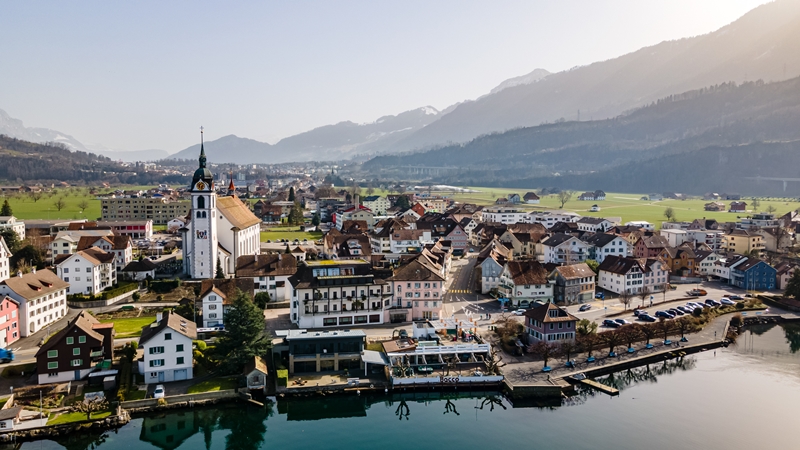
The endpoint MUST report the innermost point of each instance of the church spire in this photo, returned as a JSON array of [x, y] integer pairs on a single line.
[[231, 187], [202, 151]]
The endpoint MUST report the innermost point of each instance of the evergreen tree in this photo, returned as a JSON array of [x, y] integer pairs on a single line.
[[220, 273], [793, 286], [11, 238], [261, 299], [6, 210], [402, 202], [291, 194], [296, 215], [316, 219], [244, 337]]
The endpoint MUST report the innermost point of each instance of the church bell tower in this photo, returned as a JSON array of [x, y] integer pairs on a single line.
[[201, 261]]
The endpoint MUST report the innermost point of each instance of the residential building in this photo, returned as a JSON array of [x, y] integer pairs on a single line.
[[88, 271], [73, 353], [504, 214], [216, 297], [269, 273], [738, 207], [753, 274], [760, 220], [139, 270], [775, 239], [377, 204], [743, 242], [409, 241], [444, 228], [491, 262], [5, 256], [604, 244], [120, 246], [550, 218], [134, 229], [523, 243], [643, 224], [650, 246], [563, 249], [347, 246], [714, 206], [618, 274], [66, 242], [531, 198], [705, 260], [11, 222], [572, 284], [514, 198], [592, 196], [42, 298], [167, 348], [525, 283], [321, 351], [783, 273], [359, 212], [158, 209], [418, 288], [681, 261], [344, 293], [9, 321], [549, 323]]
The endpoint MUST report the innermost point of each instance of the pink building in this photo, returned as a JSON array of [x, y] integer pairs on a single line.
[[9, 329], [418, 289]]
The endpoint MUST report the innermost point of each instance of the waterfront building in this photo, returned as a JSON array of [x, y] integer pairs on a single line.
[[269, 273], [525, 283], [572, 284], [320, 351], [167, 347], [631, 275], [72, 353], [549, 323]]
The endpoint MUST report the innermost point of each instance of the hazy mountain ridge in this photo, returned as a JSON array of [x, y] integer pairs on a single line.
[[762, 44], [12, 127]]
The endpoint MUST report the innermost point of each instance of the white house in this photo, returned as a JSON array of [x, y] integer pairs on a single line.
[[404, 241], [503, 214], [87, 271], [641, 224], [10, 418], [705, 260], [176, 224], [139, 270], [5, 255], [66, 242], [525, 283], [618, 274], [167, 347], [13, 223], [595, 224], [377, 204], [42, 298], [550, 218], [216, 297], [562, 248], [492, 260], [603, 244], [269, 273]]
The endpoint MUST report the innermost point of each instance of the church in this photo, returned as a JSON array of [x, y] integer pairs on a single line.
[[219, 229]]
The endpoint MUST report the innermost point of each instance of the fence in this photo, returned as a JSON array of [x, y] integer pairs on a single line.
[[173, 399]]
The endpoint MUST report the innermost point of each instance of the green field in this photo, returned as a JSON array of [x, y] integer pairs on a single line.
[[71, 417], [290, 233], [214, 384], [130, 327]]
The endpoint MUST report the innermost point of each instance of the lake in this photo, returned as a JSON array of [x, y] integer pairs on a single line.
[[746, 396]]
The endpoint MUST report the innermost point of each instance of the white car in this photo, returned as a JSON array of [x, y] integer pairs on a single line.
[[519, 312], [159, 392]]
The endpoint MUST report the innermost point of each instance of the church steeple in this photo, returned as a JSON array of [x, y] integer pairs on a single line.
[[202, 150], [202, 173], [231, 187]]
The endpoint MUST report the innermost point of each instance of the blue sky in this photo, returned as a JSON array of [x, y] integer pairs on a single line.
[[147, 74]]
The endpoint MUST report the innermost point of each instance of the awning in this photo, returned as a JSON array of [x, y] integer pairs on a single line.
[[373, 357]]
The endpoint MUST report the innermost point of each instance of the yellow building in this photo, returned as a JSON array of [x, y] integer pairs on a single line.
[[742, 241]]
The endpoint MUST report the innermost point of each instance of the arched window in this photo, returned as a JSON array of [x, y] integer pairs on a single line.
[[199, 215], [204, 213], [201, 202]]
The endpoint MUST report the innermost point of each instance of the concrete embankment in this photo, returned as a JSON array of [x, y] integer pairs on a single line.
[[121, 418]]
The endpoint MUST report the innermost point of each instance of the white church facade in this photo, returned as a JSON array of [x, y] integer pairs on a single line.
[[219, 228]]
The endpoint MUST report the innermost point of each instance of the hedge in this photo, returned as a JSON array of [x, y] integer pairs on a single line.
[[110, 292], [164, 286]]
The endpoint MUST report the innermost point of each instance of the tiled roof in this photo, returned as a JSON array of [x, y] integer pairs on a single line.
[[269, 264], [84, 321], [34, 285], [541, 313], [557, 239], [237, 213], [172, 321], [527, 272], [226, 287], [573, 271], [654, 241]]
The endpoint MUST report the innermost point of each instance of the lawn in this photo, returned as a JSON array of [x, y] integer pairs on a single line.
[[14, 371], [290, 233], [130, 327], [214, 384], [71, 417], [135, 395]]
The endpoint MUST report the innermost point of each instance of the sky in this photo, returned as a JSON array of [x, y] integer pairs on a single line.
[[147, 74]]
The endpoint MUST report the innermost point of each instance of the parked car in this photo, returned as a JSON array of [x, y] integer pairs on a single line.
[[585, 307], [622, 321], [675, 311], [712, 302], [664, 314], [748, 295], [610, 324], [638, 312], [159, 392], [685, 309], [647, 318], [698, 292], [519, 312], [599, 295], [727, 301], [735, 297]]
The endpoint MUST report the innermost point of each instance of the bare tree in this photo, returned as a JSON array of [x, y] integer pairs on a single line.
[[568, 348], [649, 332], [589, 343], [543, 350], [59, 203], [564, 197], [35, 196], [665, 327], [83, 204], [611, 339], [771, 209], [669, 213], [756, 203], [684, 325], [644, 294], [625, 298], [91, 406]]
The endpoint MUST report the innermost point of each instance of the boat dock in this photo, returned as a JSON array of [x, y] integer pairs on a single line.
[[599, 387]]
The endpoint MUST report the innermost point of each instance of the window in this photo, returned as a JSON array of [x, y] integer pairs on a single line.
[[180, 360], [81, 339], [157, 363], [212, 307], [88, 270], [156, 350], [76, 362], [66, 269], [76, 351], [167, 336], [52, 353], [179, 348], [77, 278], [52, 365], [70, 340]]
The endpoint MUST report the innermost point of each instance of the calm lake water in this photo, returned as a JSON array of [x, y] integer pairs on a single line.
[[746, 396]]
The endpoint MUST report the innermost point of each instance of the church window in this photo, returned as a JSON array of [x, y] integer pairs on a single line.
[[201, 202]]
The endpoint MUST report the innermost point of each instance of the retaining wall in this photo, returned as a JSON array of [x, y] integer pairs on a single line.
[[180, 399]]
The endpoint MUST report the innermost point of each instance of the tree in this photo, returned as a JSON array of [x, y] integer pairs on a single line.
[[586, 327], [296, 215], [59, 203], [564, 197], [629, 334], [219, 273], [88, 407], [6, 209], [36, 196], [33, 257], [11, 238], [316, 219], [756, 203], [793, 286], [568, 348], [664, 327], [261, 299], [291, 194], [669, 213], [644, 294], [543, 350], [83, 204], [611, 339], [594, 265], [370, 190], [625, 298], [588, 343], [649, 331], [771, 209], [402, 202], [245, 337], [684, 325]]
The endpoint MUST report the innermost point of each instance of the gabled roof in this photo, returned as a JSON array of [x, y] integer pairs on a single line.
[[574, 271], [84, 321], [749, 264], [527, 272], [418, 269], [145, 265], [557, 239], [592, 220], [226, 287], [600, 239], [172, 321], [542, 314], [531, 196], [266, 265], [677, 252], [34, 285], [654, 241], [623, 264], [255, 363], [90, 241], [237, 213]]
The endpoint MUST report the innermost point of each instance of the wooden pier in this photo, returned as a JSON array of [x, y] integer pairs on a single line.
[[599, 387]]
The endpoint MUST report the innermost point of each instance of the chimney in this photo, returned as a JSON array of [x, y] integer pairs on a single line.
[[19, 274], [159, 316], [356, 200], [33, 269]]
